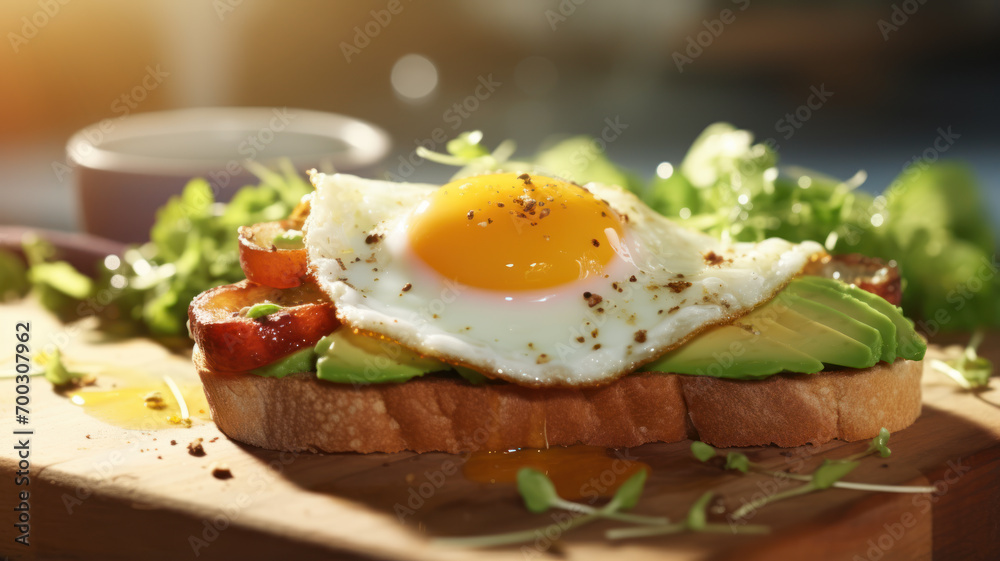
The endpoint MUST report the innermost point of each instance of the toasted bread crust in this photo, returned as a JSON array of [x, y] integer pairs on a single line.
[[299, 412]]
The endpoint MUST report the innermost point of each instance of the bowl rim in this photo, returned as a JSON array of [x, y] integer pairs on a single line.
[[366, 143]]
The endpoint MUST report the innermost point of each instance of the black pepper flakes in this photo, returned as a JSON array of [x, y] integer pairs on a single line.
[[407, 287], [632, 279], [341, 263], [581, 339], [597, 346], [640, 336], [678, 286], [592, 299], [595, 243], [372, 238], [470, 215]]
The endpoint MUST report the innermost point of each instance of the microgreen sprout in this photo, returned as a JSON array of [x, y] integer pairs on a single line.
[[466, 151], [56, 372], [695, 521], [879, 445], [825, 476], [828, 474], [970, 370], [539, 495]]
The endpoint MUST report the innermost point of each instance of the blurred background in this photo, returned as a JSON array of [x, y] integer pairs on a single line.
[[838, 86]]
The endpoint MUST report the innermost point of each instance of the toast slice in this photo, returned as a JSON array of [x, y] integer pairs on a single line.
[[432, 413]]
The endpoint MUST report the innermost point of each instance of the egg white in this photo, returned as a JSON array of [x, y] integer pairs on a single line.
[[356, 237]]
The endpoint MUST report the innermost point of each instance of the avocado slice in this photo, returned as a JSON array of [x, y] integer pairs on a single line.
[[838, 298], [347, 357], [836, 320], [909, 344], [303, 360], [734, 352], [806, 334]]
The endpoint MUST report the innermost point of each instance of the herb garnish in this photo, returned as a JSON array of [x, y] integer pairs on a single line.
[[540, 495], [970, 370], [827, 475]]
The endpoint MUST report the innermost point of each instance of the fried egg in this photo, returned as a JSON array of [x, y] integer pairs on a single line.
[[527, 278]]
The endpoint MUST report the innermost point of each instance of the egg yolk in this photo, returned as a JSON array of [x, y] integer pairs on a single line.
[[514, 232]]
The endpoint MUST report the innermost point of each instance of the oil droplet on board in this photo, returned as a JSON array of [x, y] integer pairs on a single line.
[[120, 399], [578, 472]]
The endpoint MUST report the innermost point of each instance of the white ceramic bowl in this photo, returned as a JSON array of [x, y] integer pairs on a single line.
[[126, 168]]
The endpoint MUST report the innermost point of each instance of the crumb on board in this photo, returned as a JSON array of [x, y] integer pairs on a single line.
[[221, 471], [195, 448], [154, 400]]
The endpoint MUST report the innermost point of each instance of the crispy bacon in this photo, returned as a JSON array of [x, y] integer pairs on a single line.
[[265, 264], [232, 342]]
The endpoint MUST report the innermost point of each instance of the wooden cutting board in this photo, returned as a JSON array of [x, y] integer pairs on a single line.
[[98, 490]]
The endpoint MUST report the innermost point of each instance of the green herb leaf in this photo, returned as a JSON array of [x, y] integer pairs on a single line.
[[13, 276], [628, 494], [737, 461], [880, 443], [289, 239], [55, 371], [263, 309], [703, 452], [536, 489], [970, 370], [831, 471], [466, 146], [697, 515]]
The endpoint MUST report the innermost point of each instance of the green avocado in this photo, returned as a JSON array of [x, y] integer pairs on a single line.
[[809, 336], [795, 332], [909, 344], [734, 352], [346, 357], [836, 320], [840, 299], [303, 360]]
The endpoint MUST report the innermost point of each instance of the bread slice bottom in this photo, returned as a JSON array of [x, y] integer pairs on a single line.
[[299, 412]]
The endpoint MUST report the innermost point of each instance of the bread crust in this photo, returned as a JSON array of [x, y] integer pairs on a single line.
[[433, 413]]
